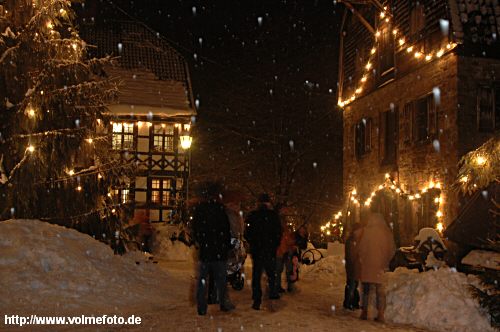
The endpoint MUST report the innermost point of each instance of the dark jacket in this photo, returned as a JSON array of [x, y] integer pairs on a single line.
[[211, 231], [263, 232]]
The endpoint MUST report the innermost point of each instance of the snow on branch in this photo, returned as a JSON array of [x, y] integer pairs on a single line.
[[481, 167]]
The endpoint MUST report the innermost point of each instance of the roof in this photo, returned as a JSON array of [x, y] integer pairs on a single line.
[[479, 21], [151, 72]]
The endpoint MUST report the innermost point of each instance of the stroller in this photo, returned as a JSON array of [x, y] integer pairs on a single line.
[[235, 264]]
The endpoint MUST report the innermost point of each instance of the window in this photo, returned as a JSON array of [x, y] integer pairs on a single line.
[[160, 191], [417, 19], [163, 137], [388, 137], [488, 108], [422, 119], [123, 136], [362, 137]]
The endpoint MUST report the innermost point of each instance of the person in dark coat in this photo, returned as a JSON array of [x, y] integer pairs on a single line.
[[263, 234], [351, 294], [211, 232]]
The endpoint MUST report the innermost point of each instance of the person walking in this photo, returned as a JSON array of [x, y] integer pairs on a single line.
[[284, 258], [263, 233], [211, 232], [352, 266], [376, 249]]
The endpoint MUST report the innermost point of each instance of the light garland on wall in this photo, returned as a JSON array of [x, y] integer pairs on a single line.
[[390, 184], [401, 41]]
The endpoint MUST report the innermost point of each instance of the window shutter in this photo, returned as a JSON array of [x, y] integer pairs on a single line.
[[381, 135], [432, 118]]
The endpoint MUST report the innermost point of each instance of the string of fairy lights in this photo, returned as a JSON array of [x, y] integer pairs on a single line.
[[432, 187], [402, 41]]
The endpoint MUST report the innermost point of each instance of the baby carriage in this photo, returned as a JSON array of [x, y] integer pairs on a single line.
[[235, 263]]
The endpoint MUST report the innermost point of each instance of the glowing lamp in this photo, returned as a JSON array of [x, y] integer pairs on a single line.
[[439, 214], [186, 141], [382, 14], [363, 79], [30, 148], [380, 187], [79, 188], [401, 42], [409, 49], [440, 53], [373, 50], [440, 227], [480, 160], [354, 192]]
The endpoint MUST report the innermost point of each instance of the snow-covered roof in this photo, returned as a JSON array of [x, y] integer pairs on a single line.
[[151, 71]]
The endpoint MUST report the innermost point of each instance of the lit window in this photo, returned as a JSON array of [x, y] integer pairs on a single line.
[[160, 191], [163, 137], [123, 136]]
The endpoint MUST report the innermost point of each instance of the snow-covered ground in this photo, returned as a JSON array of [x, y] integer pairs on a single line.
[[51, 270]]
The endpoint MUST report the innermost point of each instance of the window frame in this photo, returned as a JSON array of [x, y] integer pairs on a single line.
[[492, 90], [121, 136], [166, 138], [160, 189], [363, 128]]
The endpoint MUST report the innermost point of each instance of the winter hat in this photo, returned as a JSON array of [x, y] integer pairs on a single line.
[[264, 198]]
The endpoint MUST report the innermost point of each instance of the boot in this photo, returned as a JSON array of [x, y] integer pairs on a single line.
[[364, 314], [380, 316]]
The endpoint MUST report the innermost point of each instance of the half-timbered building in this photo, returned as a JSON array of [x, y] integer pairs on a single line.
[[419, 86], [152, 116]]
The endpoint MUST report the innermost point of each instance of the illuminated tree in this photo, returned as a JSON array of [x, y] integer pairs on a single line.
[[53, 144]]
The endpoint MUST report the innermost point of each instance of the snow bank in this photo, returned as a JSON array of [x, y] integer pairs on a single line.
[[483, 258], [48, 266], [169, 250], [437, 300], [331, 268]]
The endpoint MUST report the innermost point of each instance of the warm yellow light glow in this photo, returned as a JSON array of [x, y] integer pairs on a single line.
[[464, 179], [387, 20], [398, 190], [373, 50], [381, 186], [481, 160], [30, 148], [50, 25], [417, 54], [439, 214], [31, 112], [71, 172], [439, 53], [417, 196], [438, 185], [149, 124], [431, 184], [428, 57], [359, 90], [393, 187], [448, 46], [377, 34], [99, 176], [436, 200], [353, 97], [368, 65], [424, 190], [363, 79], [79, 188], [368, 202], [354, 192], [328, 233], [74, 45], [409, 49], [186, 141], [140, 123], [387, 175], [394, 32], [90, 140], [382, 14], [411, 197], [440, 227], [401, 41]]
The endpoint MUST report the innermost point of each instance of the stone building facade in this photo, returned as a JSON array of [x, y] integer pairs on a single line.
[[419, 87]]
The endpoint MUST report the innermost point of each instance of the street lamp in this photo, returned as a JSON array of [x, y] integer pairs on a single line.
[[186, 141]]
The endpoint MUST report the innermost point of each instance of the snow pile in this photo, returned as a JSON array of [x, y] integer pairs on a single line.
[[437, 300], [327, 268], [168, 249], [47, 266]]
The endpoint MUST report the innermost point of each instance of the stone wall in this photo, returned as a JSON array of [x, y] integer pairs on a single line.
[[416, 164]]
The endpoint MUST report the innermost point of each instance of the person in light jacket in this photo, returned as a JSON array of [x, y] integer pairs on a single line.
[[375, 251]]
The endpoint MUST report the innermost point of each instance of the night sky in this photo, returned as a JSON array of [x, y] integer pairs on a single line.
[[250, 60]]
